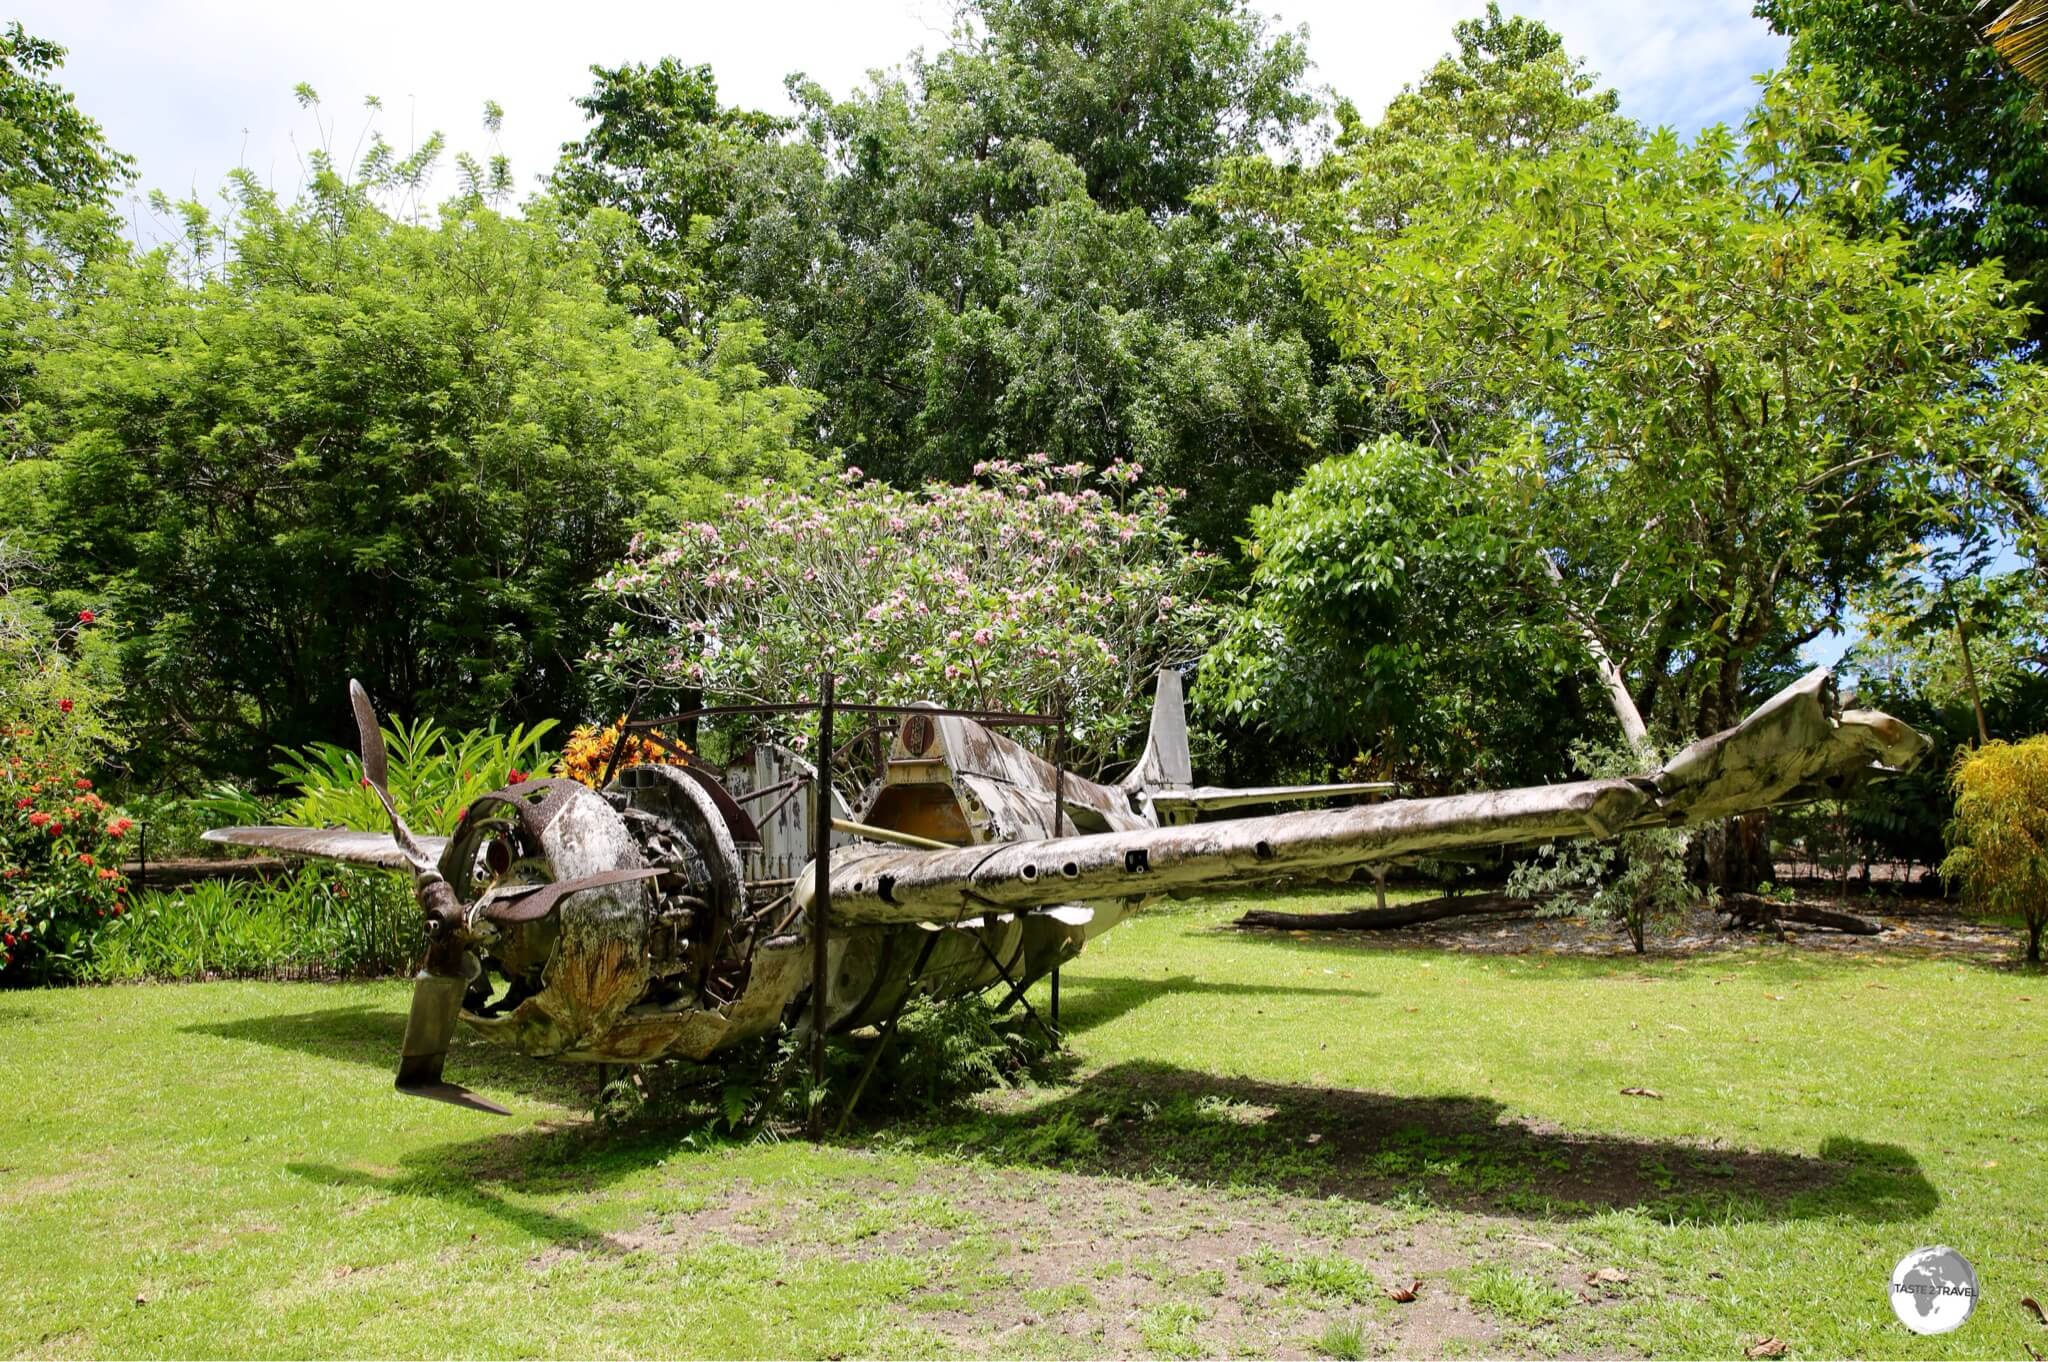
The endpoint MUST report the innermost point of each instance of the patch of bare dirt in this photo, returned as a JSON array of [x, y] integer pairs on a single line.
[[1027, 1261]]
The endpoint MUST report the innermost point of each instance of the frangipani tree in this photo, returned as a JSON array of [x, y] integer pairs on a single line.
[[1037, 586]]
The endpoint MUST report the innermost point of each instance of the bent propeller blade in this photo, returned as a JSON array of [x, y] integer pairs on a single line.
[[429, 1029], [376, 770]]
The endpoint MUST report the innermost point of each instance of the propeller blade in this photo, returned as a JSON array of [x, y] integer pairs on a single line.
[[429, 1028], [377, 771]]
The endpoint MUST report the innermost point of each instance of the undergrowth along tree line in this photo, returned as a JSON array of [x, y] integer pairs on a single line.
[[1500, 417]]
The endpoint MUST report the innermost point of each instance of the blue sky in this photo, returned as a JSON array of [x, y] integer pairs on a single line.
[[194, 89]]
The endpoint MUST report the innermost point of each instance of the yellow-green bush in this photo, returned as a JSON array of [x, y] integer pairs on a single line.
[[1998, 841]]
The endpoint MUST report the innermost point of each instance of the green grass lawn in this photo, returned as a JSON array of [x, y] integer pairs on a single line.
[[1260, 1134]]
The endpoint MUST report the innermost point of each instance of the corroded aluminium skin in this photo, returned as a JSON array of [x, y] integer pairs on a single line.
[[683, 964], [1795, 746]]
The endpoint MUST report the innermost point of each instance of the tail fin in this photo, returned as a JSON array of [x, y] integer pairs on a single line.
[[1166, 762]]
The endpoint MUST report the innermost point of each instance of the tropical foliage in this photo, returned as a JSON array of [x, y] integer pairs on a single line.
[[1971, 180], [361, 446], [2000, 834], [320, 922], [433, 775], [996, 249], [1041, 586], [1701, 375], [1390, 608]]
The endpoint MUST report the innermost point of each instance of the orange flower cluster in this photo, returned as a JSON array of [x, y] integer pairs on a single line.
[[589, 751]]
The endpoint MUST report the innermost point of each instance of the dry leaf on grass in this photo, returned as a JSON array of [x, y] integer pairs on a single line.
[[1642, 1092], [1404, 1294], [2030, 1303], [1767, 1346], [1606, 1274]]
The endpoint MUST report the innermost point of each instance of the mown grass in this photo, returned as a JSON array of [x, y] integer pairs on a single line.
[[222, 1169]]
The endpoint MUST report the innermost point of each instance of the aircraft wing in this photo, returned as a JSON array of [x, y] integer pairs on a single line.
[[1796, 746], [1202, 797], [333, 844]]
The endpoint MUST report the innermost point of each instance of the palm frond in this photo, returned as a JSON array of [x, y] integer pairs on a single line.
[[2021, 36]]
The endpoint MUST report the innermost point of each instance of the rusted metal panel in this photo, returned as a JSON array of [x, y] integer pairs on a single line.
[[1202, 798], [1793, 747], [333, 844]]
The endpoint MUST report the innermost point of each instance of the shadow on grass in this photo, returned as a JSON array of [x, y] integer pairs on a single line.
[[370, 1035], [1098, 999], [1158, 1121], [498, 1174], [1149, 1122]]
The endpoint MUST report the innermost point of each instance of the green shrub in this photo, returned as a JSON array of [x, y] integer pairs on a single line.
[[949, 1049], [325, 920], [435, 774], [1999, 837]]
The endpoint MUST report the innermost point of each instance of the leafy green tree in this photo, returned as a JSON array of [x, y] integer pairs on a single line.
[[1390, 608], [57, 178], [1704, 379], [662, 151], [57, 173], [1509, 90], [1144, 96], [367, 447], [1972, 174], [993, 252]]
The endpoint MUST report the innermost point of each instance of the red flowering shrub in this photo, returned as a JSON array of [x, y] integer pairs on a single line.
[[59, 846], [59, 842]]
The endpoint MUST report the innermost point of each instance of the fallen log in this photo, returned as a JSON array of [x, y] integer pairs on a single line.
[[1379, 919], [1754, 910], [184, 872]]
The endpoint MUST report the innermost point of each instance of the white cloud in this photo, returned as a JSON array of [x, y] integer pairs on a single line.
[[196, 87]]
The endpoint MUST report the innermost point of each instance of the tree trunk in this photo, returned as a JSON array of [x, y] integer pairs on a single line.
[[1969, 668], [1379, 919], [1632, 726]]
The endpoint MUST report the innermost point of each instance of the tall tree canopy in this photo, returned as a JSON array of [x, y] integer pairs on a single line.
[[57, 178], [365, 447], [1727, 394], [1972, 134], [995, 251]]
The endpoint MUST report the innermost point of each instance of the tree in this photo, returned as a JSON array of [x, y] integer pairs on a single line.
[[1999, 839], [662, 150], [57, 172], [365, 447], [994, 252], [57, 175], [1390, 608], [1038, 587], [1508, 91], [1971, 181], [1705, 379]]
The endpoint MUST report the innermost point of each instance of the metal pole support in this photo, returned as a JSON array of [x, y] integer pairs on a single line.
[[1059, 764], [821, 903]]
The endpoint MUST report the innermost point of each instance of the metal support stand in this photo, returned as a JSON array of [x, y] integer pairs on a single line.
[[1059, 765], [1017, 990], [888, 1032], [821, 905]]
